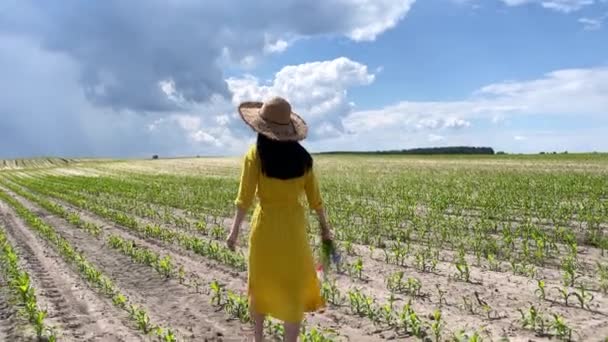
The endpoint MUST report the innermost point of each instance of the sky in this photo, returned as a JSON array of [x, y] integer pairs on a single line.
[[135, 78]]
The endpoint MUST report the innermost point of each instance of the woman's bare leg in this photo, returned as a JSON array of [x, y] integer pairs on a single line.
[[292, 331], [258, 320]]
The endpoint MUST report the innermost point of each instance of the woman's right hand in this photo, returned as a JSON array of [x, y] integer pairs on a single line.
[[236, 225]]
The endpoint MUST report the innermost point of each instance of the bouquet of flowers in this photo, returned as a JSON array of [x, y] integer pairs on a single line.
[[328, 254]]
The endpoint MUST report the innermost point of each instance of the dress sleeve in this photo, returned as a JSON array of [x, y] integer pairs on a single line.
[[312, 191], [249, 180]]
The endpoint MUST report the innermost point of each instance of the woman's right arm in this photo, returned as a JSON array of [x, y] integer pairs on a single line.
[[315, 202], [325, 230]]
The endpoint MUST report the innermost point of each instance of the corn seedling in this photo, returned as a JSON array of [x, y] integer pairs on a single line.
[[561, 329], [415, 324], [119, 300], [463, 336], [569, 269], [540, 290], [143, 320], [409, 322], [356, 269], [602, 271], [414, 287], [395, 283], [201, 226], [237, 306], [217, 293], [493, 263], [400, 252], [464, 273], [275, 329], [349, 247], [165, 267], [441, 294], [314, 335], [388, 315], [426, 259], [363, 305], [582, 295], [218, 233], [437, 325], [533, 320], [181, 275], [564, 294], [165, 335], [331, 293]]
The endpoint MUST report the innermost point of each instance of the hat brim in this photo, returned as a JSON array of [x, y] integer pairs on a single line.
[[296, 130]]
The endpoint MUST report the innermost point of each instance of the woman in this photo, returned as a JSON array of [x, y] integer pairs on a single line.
[[282, 278]]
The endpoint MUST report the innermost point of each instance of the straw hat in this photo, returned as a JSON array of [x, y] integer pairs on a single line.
[[274, 119]]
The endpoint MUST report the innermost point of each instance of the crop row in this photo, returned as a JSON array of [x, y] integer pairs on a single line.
[[54, 208], [399, 199], [527, 243], [540, 248], [18, 281], [502, 196], [212, 249], [88, 271], [426, 259]]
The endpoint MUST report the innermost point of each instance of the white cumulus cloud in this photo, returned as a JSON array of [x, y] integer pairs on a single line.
[[565, 6], [571, 94], [316, 90], [593, 24]]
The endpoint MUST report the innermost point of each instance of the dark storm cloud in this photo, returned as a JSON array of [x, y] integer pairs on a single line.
[[126, 47], [76, 76]]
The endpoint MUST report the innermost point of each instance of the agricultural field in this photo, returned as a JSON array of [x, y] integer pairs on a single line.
[[444, 248], [19, 164]]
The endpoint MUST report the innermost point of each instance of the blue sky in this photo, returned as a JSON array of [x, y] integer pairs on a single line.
[[444, 49], [154, 77]]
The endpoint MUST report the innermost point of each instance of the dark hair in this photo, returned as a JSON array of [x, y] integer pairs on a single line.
[[283, 159]]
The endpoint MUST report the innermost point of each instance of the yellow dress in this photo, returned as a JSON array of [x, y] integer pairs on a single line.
[[282, 278]]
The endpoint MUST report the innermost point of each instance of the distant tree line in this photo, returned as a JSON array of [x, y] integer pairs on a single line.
[[565, 152], [428, 150]]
